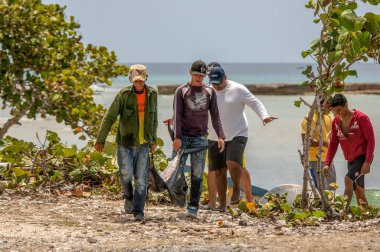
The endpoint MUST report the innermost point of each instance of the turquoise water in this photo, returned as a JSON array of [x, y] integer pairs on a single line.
[[250, 73]]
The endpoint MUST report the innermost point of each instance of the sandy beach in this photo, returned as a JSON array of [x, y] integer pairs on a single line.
[[98, 223]]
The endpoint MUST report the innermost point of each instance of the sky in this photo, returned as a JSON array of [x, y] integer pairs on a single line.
[[174, 31]]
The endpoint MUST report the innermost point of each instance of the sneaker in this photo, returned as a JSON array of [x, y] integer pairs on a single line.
[[192, 212], [208, 208], [128, 206], [139, 217]]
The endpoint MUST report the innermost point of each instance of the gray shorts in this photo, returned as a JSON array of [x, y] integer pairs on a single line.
[[233, 151]]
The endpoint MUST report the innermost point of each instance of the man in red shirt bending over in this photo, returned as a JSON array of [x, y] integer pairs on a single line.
[[353, 130]]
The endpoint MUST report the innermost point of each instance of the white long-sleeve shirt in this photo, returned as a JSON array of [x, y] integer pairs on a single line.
[[231, 103]]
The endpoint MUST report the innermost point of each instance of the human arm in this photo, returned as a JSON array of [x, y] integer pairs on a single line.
[[108, 120], [178, 113], [155, 123], [366, 168], [325, 170], [269, 119], [221, 144], [99, 147], [367, 128], [177, 119], [168, 121], [255, 104]]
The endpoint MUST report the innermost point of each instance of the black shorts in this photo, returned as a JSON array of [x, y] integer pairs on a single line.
[[233, 151], [354, 169]]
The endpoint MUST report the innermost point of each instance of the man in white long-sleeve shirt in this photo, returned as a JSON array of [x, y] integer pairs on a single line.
[[232, 98]]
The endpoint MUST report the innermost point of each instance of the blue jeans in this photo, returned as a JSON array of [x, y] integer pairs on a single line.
[[198, 161], [133, 163], [326, 181]]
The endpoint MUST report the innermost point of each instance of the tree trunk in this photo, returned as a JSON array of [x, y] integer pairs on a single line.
[[12, 121], [319, 163], [306, 146]]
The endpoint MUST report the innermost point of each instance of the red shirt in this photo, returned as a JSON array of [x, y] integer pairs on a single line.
[[359, 141]]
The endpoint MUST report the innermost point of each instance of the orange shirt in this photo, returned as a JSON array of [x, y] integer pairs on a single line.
[[141, 109]]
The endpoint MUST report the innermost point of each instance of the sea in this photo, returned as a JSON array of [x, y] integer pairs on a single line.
[[247, 73], [272, 150]]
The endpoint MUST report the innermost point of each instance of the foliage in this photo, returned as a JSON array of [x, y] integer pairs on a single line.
[[345, 38], [54, 165], [278, 209], [161, 161], [45, 69]]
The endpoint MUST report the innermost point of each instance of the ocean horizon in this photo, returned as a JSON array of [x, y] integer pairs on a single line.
[[245, 73]]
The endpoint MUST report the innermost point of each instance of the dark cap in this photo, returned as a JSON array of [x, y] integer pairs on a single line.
[[216, 75], [211, 65], [199, 67]]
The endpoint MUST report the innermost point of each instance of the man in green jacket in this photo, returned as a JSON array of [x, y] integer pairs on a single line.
[[136, 107]]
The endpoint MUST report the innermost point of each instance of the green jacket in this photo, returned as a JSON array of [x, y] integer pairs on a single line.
[[125, 106]]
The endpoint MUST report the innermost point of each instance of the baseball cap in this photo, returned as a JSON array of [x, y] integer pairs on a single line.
[[199, 67], [211, 65], [216, 75], [137, 72]]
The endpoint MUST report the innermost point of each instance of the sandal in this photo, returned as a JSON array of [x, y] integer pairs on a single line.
[[235, 201], [222, 209]]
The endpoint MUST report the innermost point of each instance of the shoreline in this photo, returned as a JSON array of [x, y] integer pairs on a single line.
[[288, 89]]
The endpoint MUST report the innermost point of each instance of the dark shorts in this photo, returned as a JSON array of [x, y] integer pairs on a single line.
[[233, 152], [354, 169]]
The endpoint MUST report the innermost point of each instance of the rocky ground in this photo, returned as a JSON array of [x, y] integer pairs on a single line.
[[60, 223]]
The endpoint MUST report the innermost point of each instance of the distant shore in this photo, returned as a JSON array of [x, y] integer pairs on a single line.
[[289, 89]]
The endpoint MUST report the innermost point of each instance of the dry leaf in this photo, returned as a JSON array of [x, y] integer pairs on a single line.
[[77, 193]]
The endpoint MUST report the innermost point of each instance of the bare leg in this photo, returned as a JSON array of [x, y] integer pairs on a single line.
[[211, 184], [360, 195], [235, 172], [246, 184], [221, 185], [348, 189]]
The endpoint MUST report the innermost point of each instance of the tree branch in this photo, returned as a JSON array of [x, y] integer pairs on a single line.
[[12, 121], [305, 102]]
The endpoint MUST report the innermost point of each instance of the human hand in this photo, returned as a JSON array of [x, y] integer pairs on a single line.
[[325, 170], [221, 144], [269, 119], [99, 147], [177, 144], [168, 121], [366, 168]]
